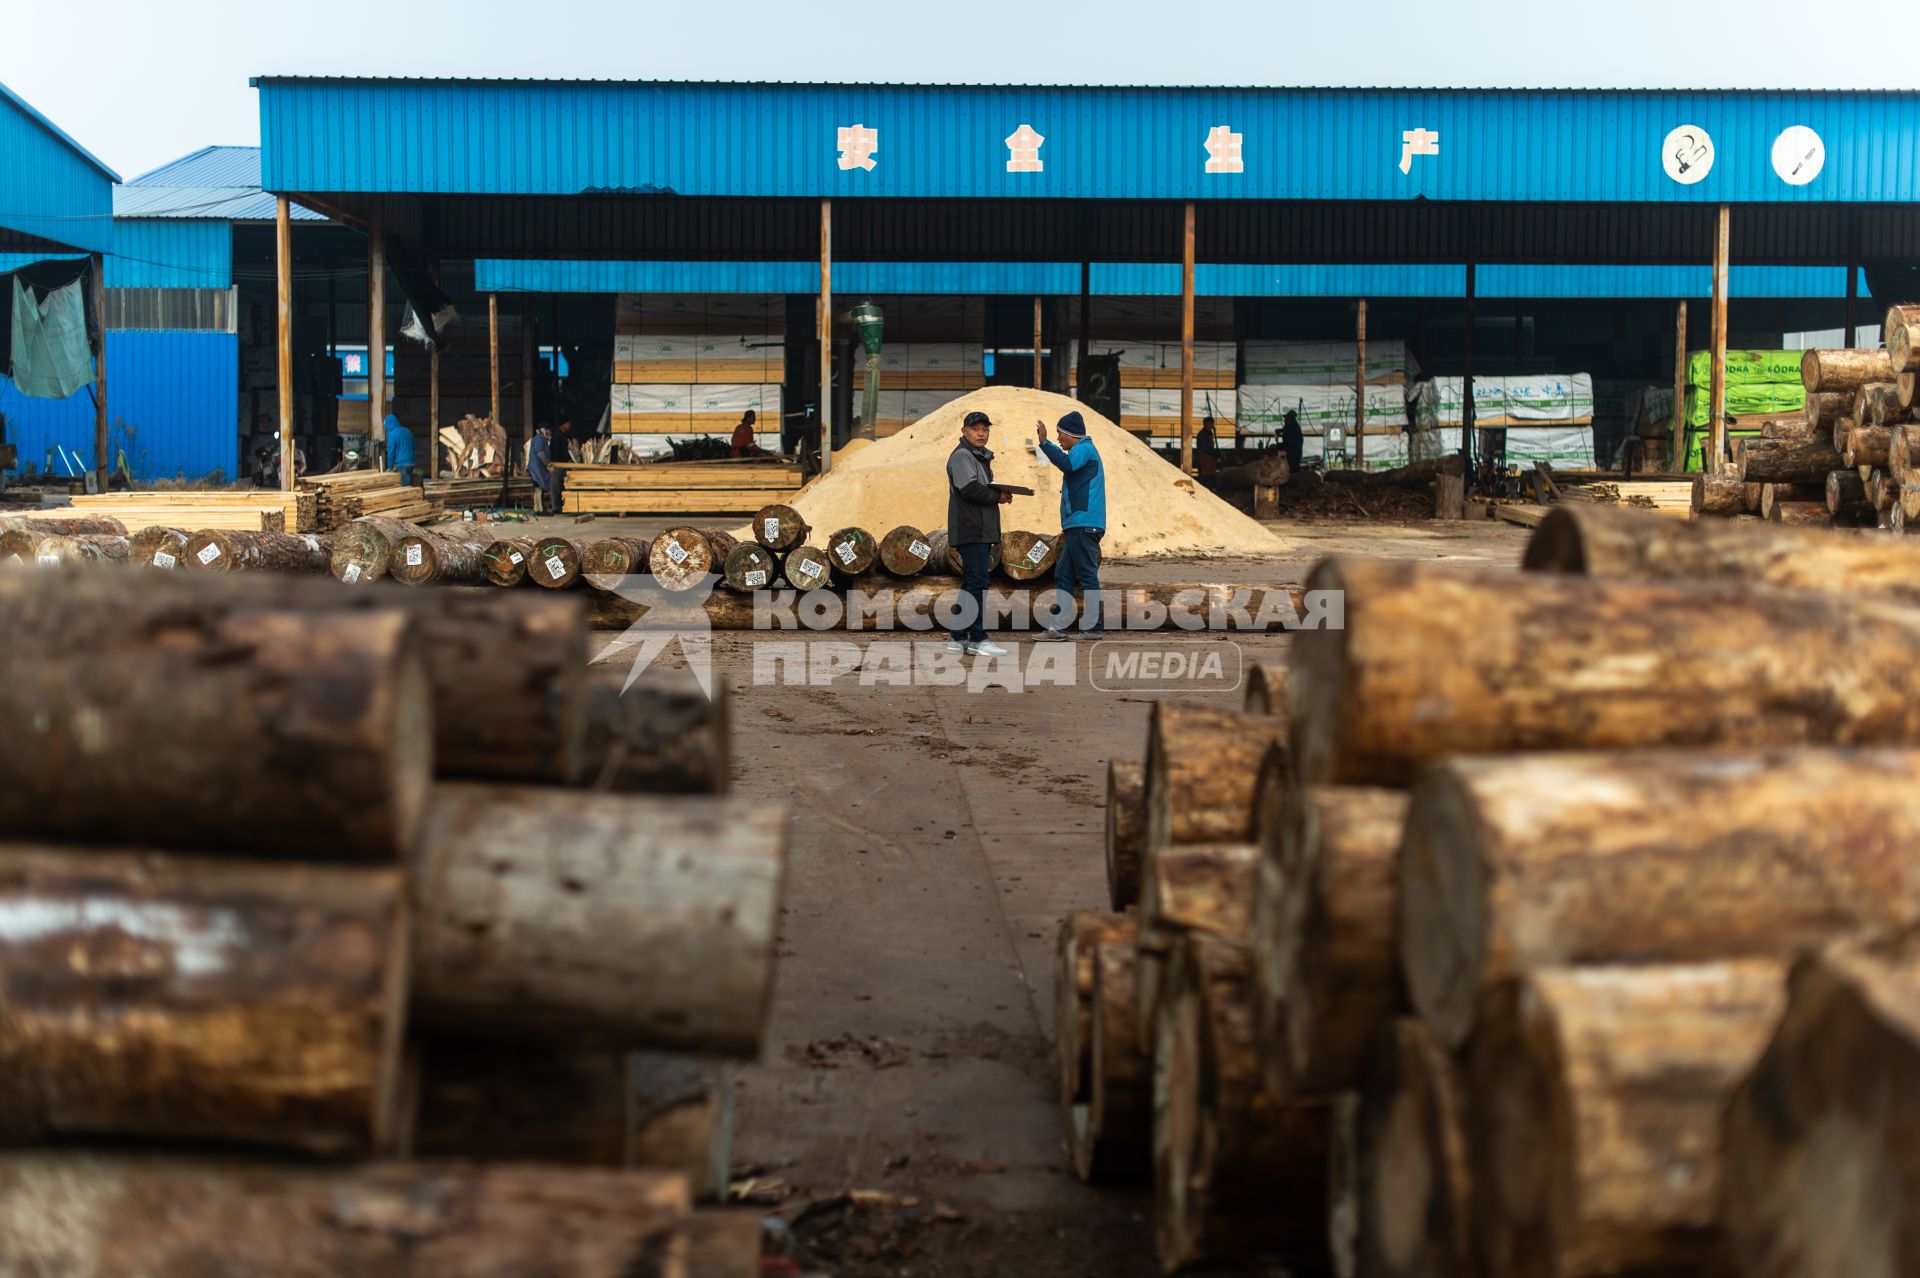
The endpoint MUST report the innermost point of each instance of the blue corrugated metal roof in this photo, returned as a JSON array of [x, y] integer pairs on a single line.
[[213, 182], [1127, 279], [170, 253], [566, 138], [51, 188]]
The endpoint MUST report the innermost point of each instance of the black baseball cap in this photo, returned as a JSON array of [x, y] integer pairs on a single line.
[[976, 418]]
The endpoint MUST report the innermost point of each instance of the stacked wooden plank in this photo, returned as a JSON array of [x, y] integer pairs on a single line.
[[247, 509], [1670, 497], [1473, 956], [349, 495], [710, 487], [365, 959]]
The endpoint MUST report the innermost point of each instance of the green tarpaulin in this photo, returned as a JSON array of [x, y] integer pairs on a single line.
[[1697, 441], [51, 358]]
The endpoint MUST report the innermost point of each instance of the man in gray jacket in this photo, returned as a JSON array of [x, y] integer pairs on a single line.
[[973, 528]]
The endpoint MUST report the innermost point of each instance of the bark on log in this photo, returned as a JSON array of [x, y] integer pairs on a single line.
[[1802, 514], [1847, 496], [1595, 1103], [905, 551], [225, 550], [64, 525], [1199, 889], [952, 558], [1239, 1175], [1028, 556], [1115, 1142], [806, 568], [199, 713], [1820, 1176], [508, 559], [539, 906], [55, 550], [656, 736], [1882, 400], [454, 555], [1867, 446], [1773, 496], [363, 547], [1413, 1191], [1719, 495], [1125, 830], [193, 999], [682, 557], [1266, 689], [1845, 370], [1795, 429], [1326, 944], [852, 551], [1903, 453], [1779, 461], [1515, 863], [779, 528], [614, 557], [1901, 332], [1202, 766], [1906, 385], [1079, 938], [720, 542], [937, 558], [70, 1212], [749, 566], [161, 548], [556, 562], [680, 1119], [1270, 471], [1407, 681], [1826, 409]]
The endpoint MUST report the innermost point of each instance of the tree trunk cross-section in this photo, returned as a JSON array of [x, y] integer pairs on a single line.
[[507, 560], [905, 551], [1202, 765], [779, 528]]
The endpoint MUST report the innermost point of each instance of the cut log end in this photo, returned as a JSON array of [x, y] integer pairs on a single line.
[[905, 551], [851, 552], [750, 566], [1442, 895], [779, 528]]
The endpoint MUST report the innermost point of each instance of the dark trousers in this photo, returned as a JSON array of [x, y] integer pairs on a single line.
[[976, 561], [406, 476], [1078, 568]]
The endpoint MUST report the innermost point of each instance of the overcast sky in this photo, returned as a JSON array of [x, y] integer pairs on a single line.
[[141, 83]]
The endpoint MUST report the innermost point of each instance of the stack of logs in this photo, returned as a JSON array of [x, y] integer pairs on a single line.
[[1480, 942], [282, 886]]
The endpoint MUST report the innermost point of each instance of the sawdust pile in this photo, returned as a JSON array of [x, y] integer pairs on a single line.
[[1152, 509]]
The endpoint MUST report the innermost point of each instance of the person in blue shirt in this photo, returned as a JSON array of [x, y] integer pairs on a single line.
[[1083, 520], [539, 457], [399, 450]]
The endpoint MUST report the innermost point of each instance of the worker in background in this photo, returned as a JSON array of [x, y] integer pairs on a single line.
[[1083, 520], [1291, 442], [743, 434], [399, 450], [1206, 454], [564, 444], [540, 468], [973, 529]]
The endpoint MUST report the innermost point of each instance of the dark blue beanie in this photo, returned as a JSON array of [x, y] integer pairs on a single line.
[[1072, 424]]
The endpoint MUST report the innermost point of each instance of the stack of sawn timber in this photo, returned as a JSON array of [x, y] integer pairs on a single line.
[[1501, 949], [347, 876], [729, 486], [351, 494], [240, 509]]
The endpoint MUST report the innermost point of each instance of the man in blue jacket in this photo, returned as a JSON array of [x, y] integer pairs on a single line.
[[399, 450], [1083, 520]]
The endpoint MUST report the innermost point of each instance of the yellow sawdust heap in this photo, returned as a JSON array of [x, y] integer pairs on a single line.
[[1152, 509]]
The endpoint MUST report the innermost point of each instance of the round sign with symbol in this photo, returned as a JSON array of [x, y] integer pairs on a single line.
[[1798, 154], [1687, 154]]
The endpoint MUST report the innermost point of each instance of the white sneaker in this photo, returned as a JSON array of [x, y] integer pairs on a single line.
[[954, 645], [986, 648]]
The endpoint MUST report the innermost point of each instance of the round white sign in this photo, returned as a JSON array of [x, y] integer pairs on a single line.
[[1687, 154], [1798, 155]]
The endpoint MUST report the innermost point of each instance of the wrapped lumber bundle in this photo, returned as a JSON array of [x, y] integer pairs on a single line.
[[1515, 862], [222, 550], [1594, 1112], [1819, 1175]]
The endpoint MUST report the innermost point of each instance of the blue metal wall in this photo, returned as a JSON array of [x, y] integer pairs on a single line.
[[171, 253], [552, 138], [1119, 279], [49, 186], [172, 405]]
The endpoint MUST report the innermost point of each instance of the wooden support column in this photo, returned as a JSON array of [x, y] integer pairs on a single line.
[[283, 273], [433, 410], [1037, 335], [1086, 314], [1677, 462], [1186, 345], [528, 353], [102, 463], [1360, 385], [493, 356], [1717, 401], [1467, 441], [825, 325], [1853, 297], [377, 327]]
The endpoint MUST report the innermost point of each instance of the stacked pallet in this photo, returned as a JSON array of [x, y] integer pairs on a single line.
[[918, 378], [255, 510], [409, 972], [1760, 385], [352, 494], [724, 487], [1472, 957]]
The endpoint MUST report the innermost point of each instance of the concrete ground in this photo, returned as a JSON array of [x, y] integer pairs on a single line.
[[939, 835]]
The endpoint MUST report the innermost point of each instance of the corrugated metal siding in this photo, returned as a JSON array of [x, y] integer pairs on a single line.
[[172, 403], [49, 188], [1825, 282], [930, 278], [520, 138], [170, 253]]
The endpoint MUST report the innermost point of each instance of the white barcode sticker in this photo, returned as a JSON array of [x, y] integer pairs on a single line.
[[352, 574], [555, 569], [13, 561], [809, 569], [208, 553], [845, 551], [47, 561], [676, 552], [313, 543], [517, 557], [413, 555], [161, 559], [920, 550], [771, 529], [757, 577], [1038, 552]]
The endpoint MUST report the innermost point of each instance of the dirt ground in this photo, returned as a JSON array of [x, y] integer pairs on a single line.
[[938, 836]]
